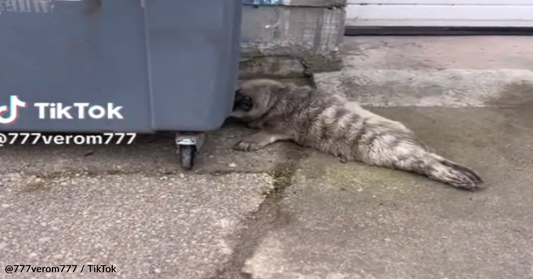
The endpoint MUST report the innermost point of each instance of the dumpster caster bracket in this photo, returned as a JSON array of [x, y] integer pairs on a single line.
[[188, 146]]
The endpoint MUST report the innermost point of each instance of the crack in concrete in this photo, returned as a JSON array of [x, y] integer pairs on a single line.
[[268, 216]]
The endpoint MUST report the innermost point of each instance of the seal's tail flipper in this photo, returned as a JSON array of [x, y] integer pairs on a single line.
[[441, 169], [454, 174]]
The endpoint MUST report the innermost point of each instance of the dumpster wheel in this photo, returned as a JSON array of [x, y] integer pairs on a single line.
[[188, 145], [187, 154]]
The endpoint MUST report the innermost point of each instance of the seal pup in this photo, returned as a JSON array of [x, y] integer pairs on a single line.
[[332, 124]]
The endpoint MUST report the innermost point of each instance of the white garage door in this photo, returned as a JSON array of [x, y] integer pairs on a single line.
[[431, 13]]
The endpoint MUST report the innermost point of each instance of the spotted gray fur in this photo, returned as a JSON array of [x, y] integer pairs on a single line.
[[334, 125]]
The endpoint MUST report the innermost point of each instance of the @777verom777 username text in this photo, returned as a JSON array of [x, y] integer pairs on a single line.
[[35, 138]]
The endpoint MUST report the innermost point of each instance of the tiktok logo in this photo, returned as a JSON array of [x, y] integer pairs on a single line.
[[13, 108]]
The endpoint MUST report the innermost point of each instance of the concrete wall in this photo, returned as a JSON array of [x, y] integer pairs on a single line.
[[291, 38]]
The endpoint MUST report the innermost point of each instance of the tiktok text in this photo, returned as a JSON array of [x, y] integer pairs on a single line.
[[78, 111]]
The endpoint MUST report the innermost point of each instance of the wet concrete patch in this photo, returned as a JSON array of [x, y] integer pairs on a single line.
[[514, 95]]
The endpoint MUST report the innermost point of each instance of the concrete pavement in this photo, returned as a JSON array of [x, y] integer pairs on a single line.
[[287, 212], [145, 226]]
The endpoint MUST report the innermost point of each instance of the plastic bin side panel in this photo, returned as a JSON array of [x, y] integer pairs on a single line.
[[193, 51], [70, 52]]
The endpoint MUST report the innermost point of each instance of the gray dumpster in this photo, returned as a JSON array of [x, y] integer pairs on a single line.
[[119, 66]]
